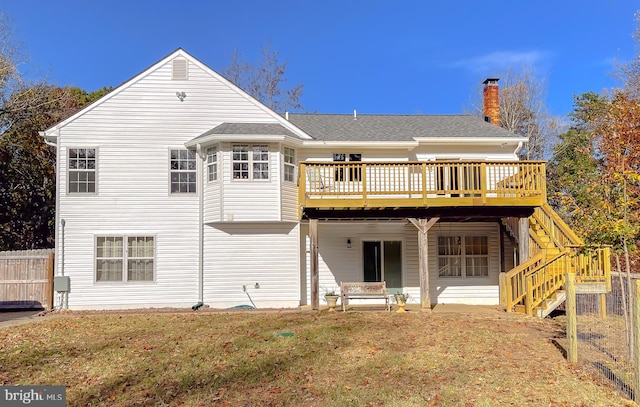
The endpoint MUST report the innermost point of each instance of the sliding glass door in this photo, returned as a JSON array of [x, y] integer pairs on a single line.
[[382, 261]]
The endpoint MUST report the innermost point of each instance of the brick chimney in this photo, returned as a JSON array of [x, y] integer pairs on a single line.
[[491, 105]]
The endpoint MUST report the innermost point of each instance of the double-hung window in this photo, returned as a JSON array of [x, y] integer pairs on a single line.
[[463, 256], [125, 258], [250, 161], [212, 164], [289, 164], [82, 170], [183, 171]]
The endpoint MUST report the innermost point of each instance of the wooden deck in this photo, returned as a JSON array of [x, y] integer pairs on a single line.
[[379, 185]]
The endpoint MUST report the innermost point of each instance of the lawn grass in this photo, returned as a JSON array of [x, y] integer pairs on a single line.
[[298, 359]]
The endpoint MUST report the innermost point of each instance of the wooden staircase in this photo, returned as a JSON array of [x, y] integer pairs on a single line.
[[535, 287]]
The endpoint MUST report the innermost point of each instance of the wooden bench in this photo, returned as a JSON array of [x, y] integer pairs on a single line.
[[364, 291]]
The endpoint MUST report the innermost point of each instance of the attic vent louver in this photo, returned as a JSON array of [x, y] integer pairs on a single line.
[[179, 69]]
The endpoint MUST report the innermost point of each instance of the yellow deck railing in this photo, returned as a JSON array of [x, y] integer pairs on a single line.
[[530, 284], [418, 184]]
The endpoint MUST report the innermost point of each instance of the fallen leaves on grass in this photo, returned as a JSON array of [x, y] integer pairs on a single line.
[[342, 359]]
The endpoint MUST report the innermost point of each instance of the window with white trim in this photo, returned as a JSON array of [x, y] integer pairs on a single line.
[[125, 258], [355, 173], [289, 164], [82, 170], [463, 256], [250, 161], [183, 171], [212, 164]]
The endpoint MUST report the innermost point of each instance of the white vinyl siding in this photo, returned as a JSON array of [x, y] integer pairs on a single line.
[[339, 263], [245, 253], [262, 201], [133, 129], [480, 267]]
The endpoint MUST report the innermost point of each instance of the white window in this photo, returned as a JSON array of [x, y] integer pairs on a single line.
[[212, 164], [183, 171], [476, 252], [463, 256], [116, 262], [250, 162], [354, 173], [82, 170], [289, 164]]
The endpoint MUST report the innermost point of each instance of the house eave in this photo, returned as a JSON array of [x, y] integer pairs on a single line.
[[368, 144], [245, 138], [471, 140]]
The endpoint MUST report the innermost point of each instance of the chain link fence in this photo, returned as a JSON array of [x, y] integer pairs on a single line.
[[605, 329]]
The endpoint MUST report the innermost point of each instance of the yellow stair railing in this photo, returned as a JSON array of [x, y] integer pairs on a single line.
[[530, 285]]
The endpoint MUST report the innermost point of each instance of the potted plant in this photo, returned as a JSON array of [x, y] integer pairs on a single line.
[[401, 300], [332, 299]]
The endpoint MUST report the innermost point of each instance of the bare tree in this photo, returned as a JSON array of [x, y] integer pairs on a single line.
[[523, 111], [19, 97], [628, 72], [265, 80]]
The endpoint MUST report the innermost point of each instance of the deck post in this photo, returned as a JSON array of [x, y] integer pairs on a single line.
[[423, 226], [315, 282], [602, 305], [523, 240]]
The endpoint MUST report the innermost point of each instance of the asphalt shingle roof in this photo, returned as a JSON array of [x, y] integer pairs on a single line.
[[337, 127], [270, 129]]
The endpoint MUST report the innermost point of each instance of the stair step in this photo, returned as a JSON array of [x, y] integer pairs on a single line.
[[519, 309], [550, 305]]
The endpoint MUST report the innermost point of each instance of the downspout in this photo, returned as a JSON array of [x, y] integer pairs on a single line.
[[200, 188], [62, 223], [518, 149], [58, 233]]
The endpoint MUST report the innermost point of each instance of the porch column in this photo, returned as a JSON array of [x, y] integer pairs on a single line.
[[315, 282], [423, 226]]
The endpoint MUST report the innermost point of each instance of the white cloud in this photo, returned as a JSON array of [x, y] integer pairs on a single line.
[[500, 60]]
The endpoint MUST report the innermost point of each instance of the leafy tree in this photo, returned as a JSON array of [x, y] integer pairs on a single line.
[[594, 176], [574, 170], [265, 80]]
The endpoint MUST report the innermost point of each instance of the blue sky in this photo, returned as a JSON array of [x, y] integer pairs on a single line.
[[404, 57]]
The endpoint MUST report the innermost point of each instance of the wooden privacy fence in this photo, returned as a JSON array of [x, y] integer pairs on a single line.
[[26, 279]]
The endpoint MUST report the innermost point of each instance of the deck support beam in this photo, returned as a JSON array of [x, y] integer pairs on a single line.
[[315, 279], [523, 240], [423, 226]]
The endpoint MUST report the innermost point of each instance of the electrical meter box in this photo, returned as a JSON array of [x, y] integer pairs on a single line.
[[62, 284]]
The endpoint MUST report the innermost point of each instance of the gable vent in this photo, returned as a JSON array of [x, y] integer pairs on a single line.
[[179, 69]]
